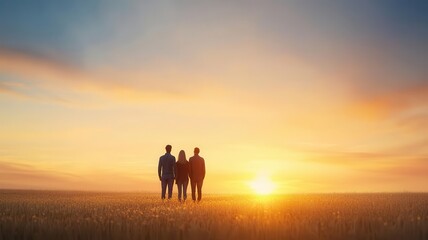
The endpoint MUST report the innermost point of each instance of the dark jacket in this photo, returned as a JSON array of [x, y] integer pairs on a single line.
[[197, 168], [166, 167], [182, 172]]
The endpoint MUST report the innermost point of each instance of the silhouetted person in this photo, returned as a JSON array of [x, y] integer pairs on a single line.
[[166, 171], [197, 174], [182, 175]]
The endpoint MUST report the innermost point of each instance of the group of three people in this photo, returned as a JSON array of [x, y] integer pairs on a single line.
[[180, 171]]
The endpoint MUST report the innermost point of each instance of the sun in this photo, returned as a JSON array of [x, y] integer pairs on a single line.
[[262, 185]]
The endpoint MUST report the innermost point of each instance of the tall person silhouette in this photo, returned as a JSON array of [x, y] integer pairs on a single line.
[[166, 172], [197, 174]]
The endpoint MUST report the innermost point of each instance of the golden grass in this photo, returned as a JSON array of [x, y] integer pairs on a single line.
[[85, 215]]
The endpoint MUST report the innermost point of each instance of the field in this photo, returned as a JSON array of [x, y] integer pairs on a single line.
[[86, 215]]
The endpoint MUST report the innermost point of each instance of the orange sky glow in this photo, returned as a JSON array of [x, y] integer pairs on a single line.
[[316, 103]]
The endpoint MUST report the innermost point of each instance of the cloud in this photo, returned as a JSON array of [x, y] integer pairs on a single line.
[[403, 105], [415, 122], [412, 167], [44, 79], [367, 172], [5, 89], [23, 91], [26, 176], [14, 175]]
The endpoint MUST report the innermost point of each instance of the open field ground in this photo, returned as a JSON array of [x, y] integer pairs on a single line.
[[86, 215]]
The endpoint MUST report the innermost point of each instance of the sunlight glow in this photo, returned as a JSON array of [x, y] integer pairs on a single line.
[[262, 185]]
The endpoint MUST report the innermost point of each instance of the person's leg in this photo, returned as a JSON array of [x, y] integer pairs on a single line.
[[193, 187], [185, 190], [180, 186], [170, 185], [199, 184], [163, 186]]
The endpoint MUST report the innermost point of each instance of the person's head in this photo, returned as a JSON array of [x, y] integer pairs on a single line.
[[196, 151], [168, 148], [182, 156]]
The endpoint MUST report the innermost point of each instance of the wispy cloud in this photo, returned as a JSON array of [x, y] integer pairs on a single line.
[[410, 168], [5, 89], [44, 79], [26, 176], [14, 175], [400, 102]]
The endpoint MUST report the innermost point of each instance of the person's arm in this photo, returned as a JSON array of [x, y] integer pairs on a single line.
[[203, 168], [160, 168], [190, 168], [174, 169]]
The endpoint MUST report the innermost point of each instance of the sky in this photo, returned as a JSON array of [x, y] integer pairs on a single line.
[[318, 96]]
